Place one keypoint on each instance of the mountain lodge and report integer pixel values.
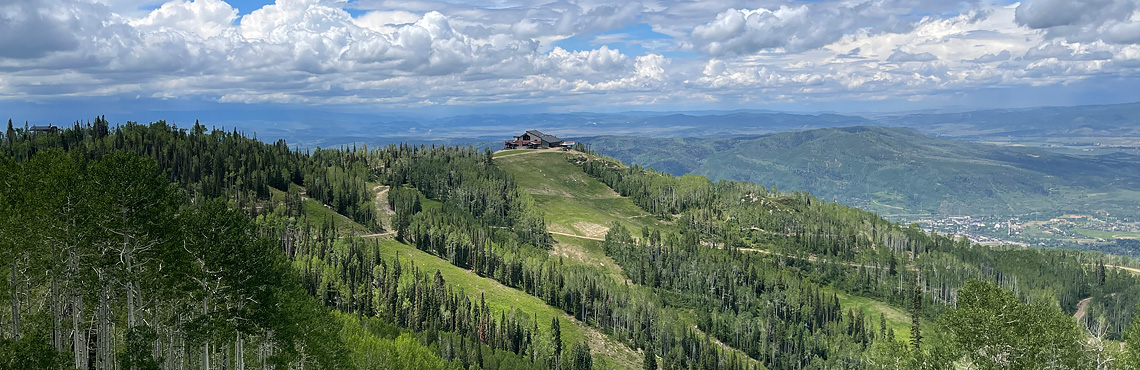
(534, 139)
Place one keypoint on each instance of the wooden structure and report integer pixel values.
(48, 128)
(533, 139)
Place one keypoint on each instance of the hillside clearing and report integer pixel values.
(575, 203)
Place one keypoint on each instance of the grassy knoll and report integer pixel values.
(575, 203)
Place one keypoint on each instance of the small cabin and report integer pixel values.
(48, 128)
(533, 139)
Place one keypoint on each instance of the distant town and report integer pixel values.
(1065, 231)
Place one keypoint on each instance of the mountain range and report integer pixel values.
(899, 170)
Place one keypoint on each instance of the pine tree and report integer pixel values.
(10, 134)
(883, 326)
(650, 360)
(916, 313)
(556, 341)
(582, 358)
(1100, 273)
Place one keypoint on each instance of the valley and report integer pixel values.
(991, 194)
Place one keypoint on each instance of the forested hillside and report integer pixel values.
(900, 171)
(152, 246)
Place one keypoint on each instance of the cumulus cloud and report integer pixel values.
(900, 56)
(1114, 21)
(791, 28)
(585, 63)
(434, 52)
(34, 28)
(204, 18)
(1004, 55)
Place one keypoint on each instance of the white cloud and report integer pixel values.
(1113, 21)
(792, 28)
(900, 56)
(204, 18)
(433, 52)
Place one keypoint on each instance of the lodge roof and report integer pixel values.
(544, 137)
(44, 128)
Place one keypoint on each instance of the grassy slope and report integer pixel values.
(574, 202)
(607, 352)
(317, 212)
(572, 197)
(577, 204)
(509, 152)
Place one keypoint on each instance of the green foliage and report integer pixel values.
(1131, 358)
(215, 163)
(731, 275)
(115, 250)
(992, 329)
(649, 361)
(33, 350)
(580, 357)
(468, 180)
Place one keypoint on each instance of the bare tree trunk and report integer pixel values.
(79, 342)
(103, 336)
(239, 353)
(57, 316)
(130, 283)
(206, 355)
(15, 305)
(205, 344)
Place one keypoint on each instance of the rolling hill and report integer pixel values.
(901, 171)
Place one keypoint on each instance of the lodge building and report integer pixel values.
(534, 139)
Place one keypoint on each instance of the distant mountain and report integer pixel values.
(899, 170)
(1047, 122)
(1074, 128)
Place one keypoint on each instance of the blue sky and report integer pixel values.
(429, 57)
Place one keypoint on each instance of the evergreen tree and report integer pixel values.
(582, 359)
(556, 342)
(649, 361)
(916, 318)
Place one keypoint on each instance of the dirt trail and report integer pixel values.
(813, 259)
(1082, 309)
(1125, 268)
(578, 236)
(530, 152)
(378, 234)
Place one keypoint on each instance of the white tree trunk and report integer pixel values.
(15, 305)
(239, 353)
(79, 337)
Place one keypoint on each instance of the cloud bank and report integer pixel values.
(379, 53)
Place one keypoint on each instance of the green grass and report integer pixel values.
(588, 253)
(509, 152)
(607, 352)
(575, 203)
(897, 319)
(317, 213)
(1107, 234)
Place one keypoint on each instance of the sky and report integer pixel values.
(89, 57)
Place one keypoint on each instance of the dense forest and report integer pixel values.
(154, 246)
